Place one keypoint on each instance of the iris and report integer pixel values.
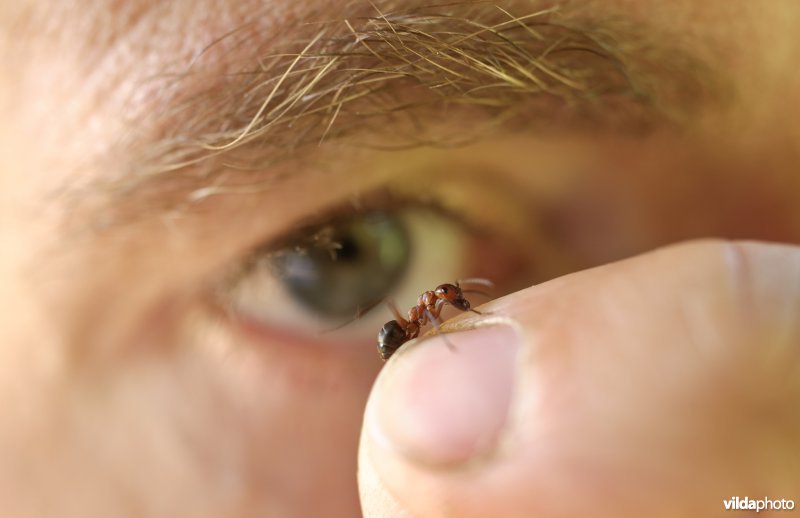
(347, 264)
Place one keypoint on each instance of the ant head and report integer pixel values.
(453, 295)
(448, 292)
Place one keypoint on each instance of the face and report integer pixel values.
(195, 194)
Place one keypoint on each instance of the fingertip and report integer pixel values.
(445, 402)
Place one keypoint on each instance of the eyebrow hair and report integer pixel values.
(381, 74)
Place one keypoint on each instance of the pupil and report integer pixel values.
(362, 262)
(348, 250)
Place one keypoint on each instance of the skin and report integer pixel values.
(127, 392)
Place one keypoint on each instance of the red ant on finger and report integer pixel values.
(429, 306)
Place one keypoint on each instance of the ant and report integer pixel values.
(429, 306)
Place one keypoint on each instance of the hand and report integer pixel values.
(656, 386)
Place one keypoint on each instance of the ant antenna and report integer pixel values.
(479, 292)
(475, 280)
(396, 312)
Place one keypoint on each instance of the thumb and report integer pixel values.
(656, 386)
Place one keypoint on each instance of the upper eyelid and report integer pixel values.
(380, 199)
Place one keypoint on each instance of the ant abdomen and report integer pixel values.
(390, 338)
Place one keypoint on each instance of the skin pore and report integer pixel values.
(142, 169)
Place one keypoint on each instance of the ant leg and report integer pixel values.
(397, 315)
(435, 322)
(443, 302)
(471, 310)
(437, 308)
(359, 313)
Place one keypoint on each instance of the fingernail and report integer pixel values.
(441, 404)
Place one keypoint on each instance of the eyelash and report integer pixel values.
(383, 200)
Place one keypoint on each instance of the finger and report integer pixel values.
(657, 386)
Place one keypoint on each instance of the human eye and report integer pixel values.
(339, 270)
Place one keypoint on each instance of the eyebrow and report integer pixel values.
(389, 77)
